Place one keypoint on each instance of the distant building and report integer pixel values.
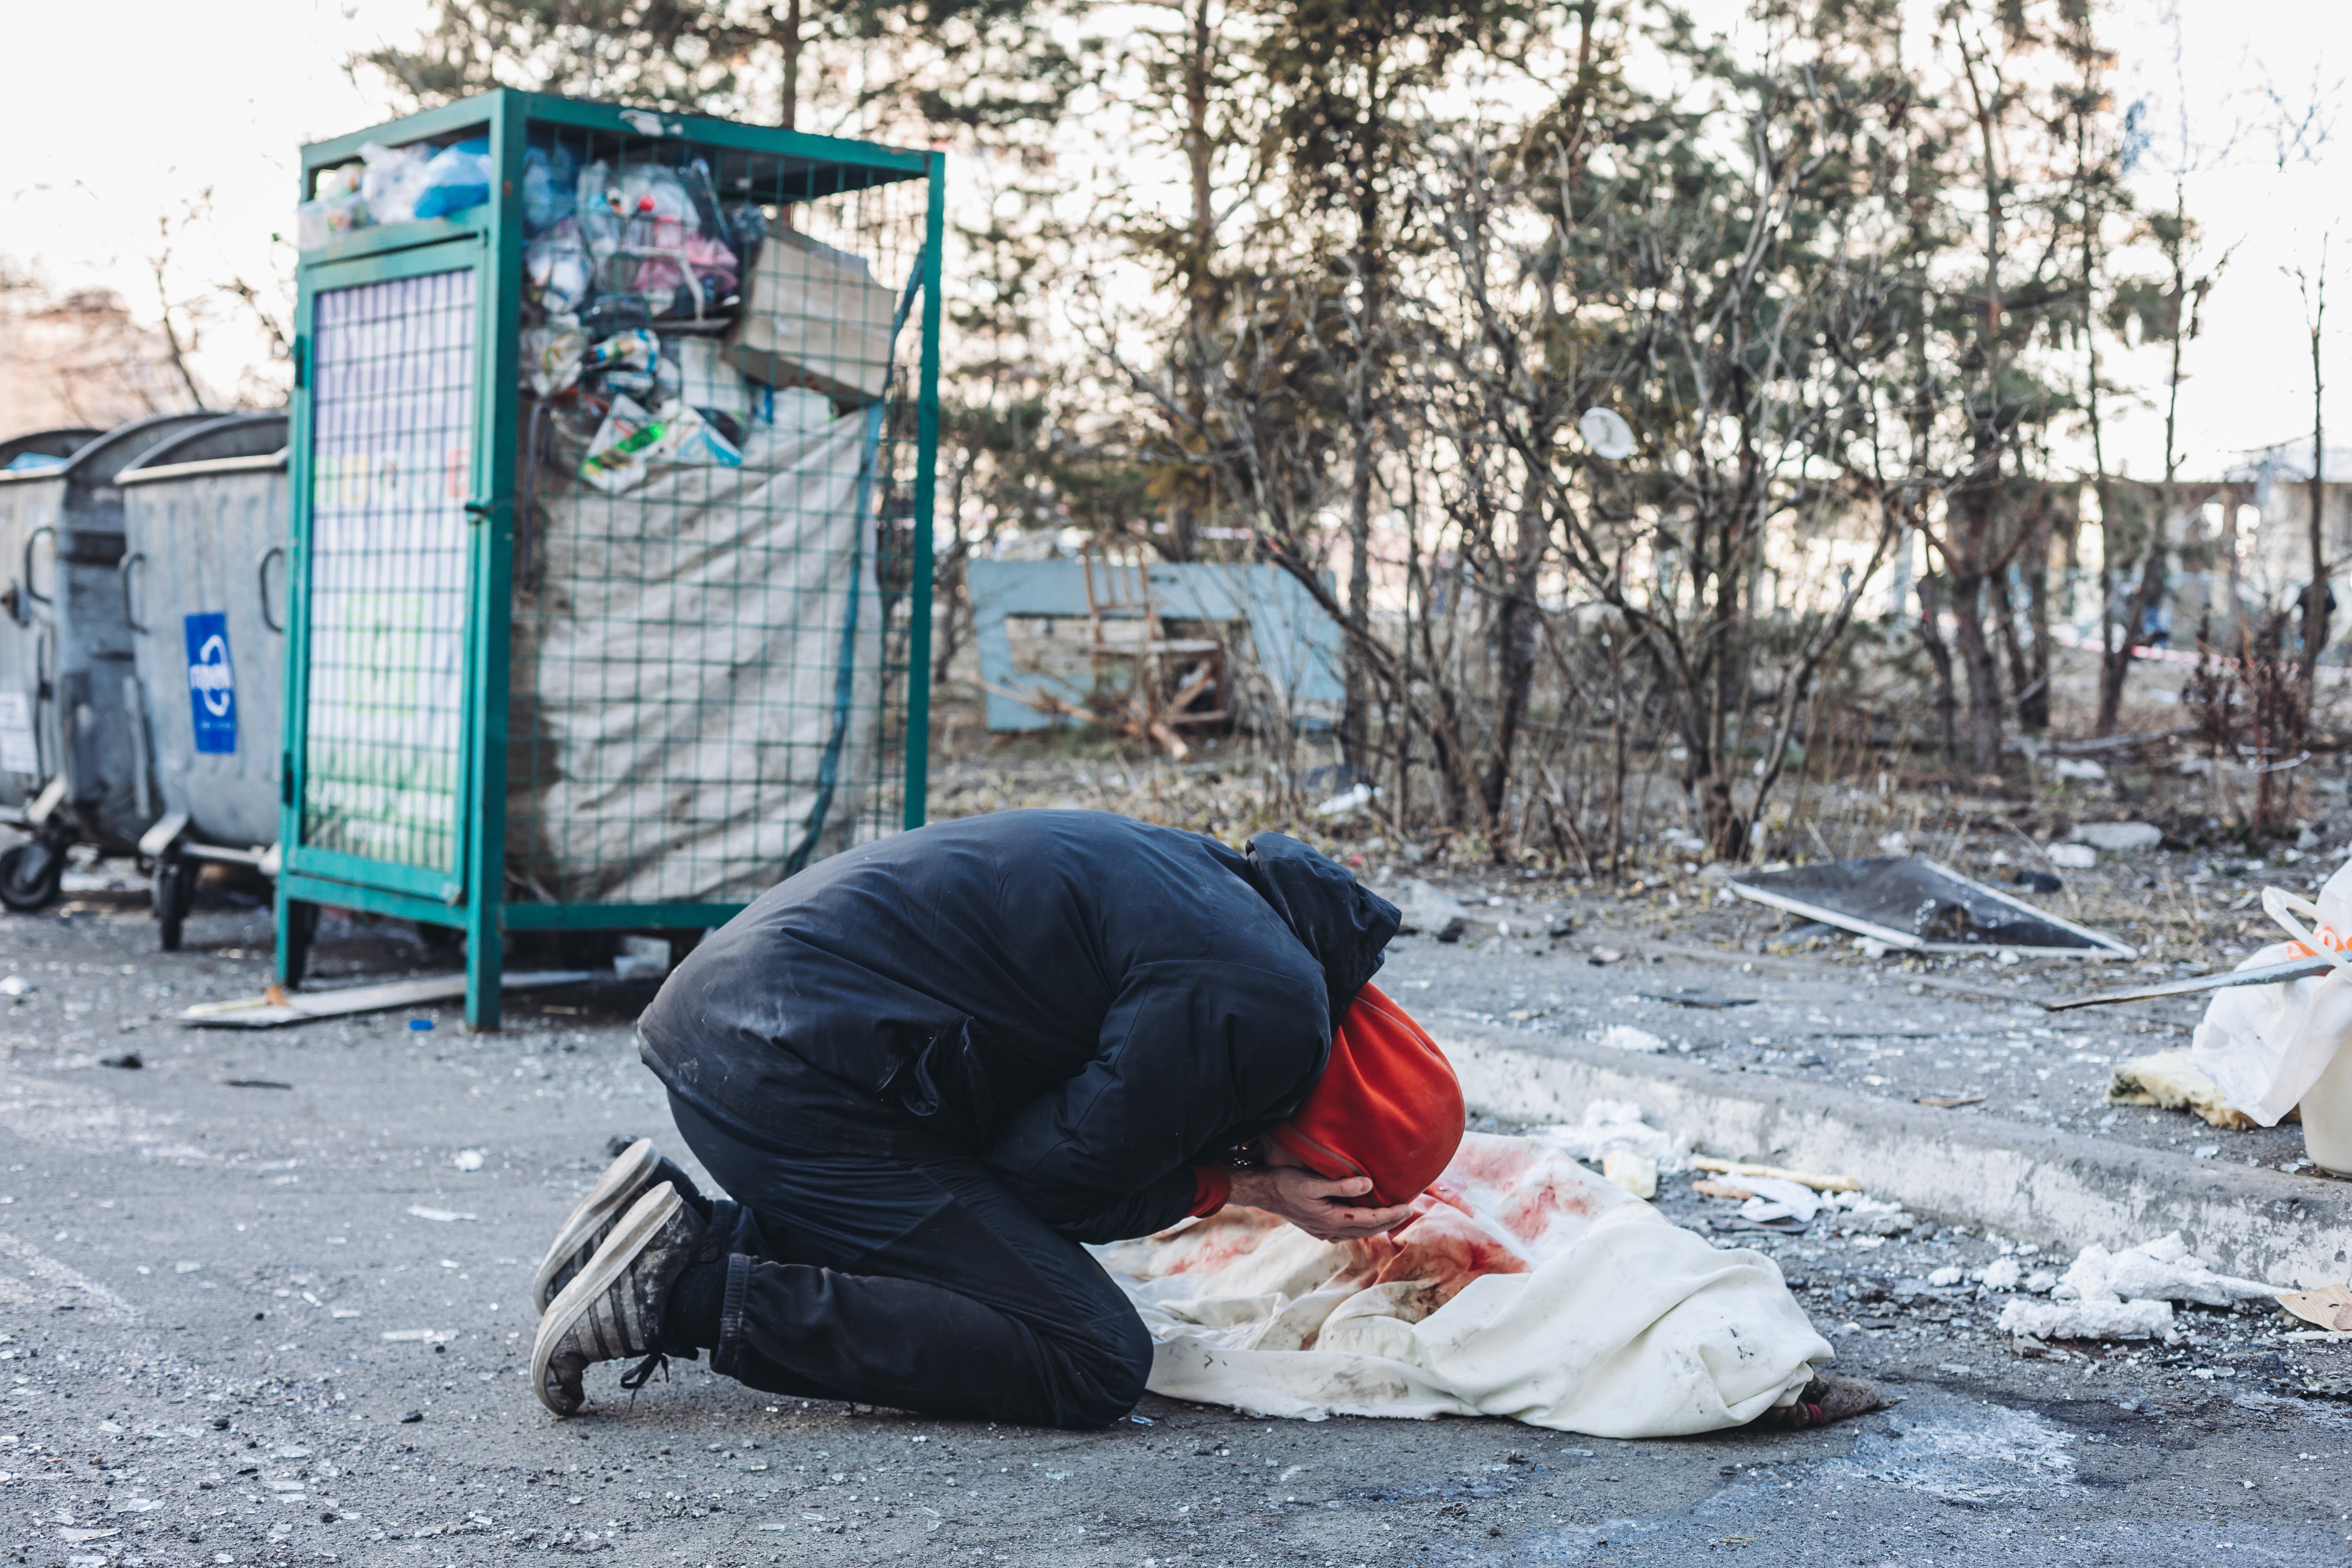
(77, 358)
(2260, 521)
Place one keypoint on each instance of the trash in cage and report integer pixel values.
(634, 350)
(796, 408)
(336, 209)
(1922, 906)
(556, 272)
(630, 439)
(769, 633)
(550, 185)
(706, 382)
(651, 237)
(648, 234)
(552, 356)
(423, 181)
(615, 459)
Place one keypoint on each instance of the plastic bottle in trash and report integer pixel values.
(624, 351)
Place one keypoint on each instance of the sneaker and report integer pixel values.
(612, 1308)
(625, 1180)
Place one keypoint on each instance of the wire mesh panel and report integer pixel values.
(712, 553)
(391, 436)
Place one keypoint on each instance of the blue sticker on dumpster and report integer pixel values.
(212, 685)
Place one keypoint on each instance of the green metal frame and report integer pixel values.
(489, 239)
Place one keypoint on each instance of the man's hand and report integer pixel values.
(1323, 1209)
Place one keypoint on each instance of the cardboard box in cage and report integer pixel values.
(813, 318)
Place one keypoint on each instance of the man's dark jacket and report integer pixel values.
(1089, 1002)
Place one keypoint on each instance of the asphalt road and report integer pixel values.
(281, 1324)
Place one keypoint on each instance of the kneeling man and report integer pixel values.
(928, 1069)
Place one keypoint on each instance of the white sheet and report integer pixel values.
(676, 669)
(1525, 1285)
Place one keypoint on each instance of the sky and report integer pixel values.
(175, 100)
(2249, 369)
(152, 103)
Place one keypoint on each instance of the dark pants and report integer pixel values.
(913, 1280)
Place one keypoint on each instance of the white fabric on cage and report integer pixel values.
(1525, 1286)
(675, 655)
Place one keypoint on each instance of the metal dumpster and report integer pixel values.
(36, 452)
(612, 487)
(45, 448)
(204, 583)
(68, 766)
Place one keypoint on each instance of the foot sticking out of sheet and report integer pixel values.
(1822, 1401)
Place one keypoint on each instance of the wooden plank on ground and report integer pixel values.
(275, 1008)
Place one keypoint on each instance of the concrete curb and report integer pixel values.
(2028, 1182)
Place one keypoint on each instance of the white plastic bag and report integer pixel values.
(556, 270)
(2263, 1046)
(551, 358)
(705, 381)
(394, 181)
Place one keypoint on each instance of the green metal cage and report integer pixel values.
(613, 478)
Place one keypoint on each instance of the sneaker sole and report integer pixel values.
(637, 1228)
(576, 1241)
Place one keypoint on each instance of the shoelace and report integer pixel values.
(637, 1376)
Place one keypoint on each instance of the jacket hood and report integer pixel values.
(1344, 924)
(1387, 1105)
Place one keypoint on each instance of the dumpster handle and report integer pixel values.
(261, 581)
(129, 602)
(30, 592)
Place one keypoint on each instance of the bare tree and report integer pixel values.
(2301, 128)
(2311, 284)
(79, 356)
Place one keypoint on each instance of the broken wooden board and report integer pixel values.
(1814, 1180)
(276, 1008)
(1722, 1190)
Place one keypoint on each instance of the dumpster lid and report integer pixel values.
(61, 443)
(263, 462)
(99, 462)
(224, 445)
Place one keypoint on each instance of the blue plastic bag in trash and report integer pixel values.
(551, 180)
(457, 177)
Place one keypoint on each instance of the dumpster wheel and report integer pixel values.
(29, 875)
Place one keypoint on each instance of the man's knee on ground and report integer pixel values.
(1112, 1376)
